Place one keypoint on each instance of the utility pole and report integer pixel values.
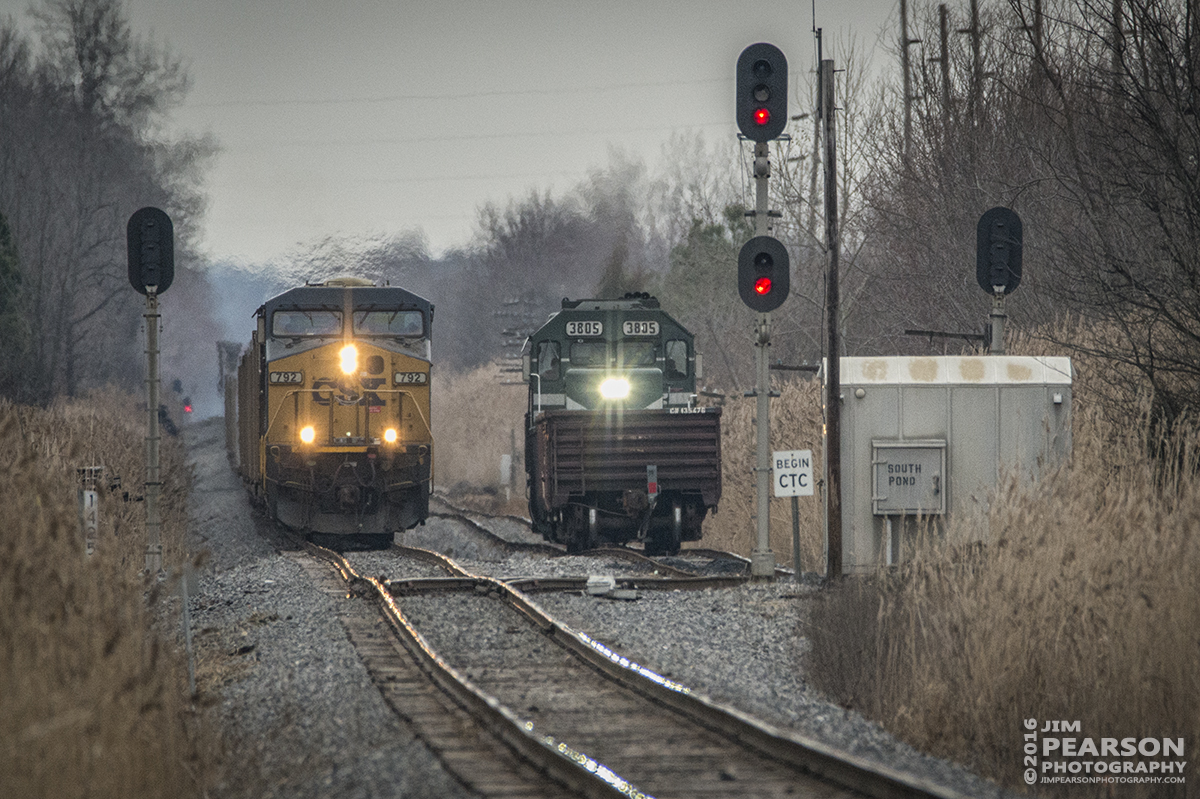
(906, 65)
(1039, 55)
(816, 152)
(1118, 47)
(976, 63)
(1193, 36)
(154, 550)
(943, 61)
(833, 389)
(762, 560)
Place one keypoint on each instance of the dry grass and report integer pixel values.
(1082, 607)
(477, 418)
(796, 423)
(92, 702)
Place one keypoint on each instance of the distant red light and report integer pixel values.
(762, 116)
(187, 408)
(763, 285)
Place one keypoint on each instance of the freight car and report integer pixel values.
(616, 449)
(333, 411)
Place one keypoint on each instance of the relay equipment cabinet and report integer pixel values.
(929, 437)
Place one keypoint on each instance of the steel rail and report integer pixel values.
(575, 770)
(460, 513)
(821, 759)
(558, 550)
(721, 554)
(462, 579)
(559, 762)
(514, 546)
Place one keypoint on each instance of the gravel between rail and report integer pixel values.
(302, 718)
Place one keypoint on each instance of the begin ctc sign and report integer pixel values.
(793, 473)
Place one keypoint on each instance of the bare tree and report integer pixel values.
(1124, 99)
(1082, 116)
(79, 152)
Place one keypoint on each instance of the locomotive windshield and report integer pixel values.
(588, 353)
(306, 323)
(389, 323)
(548, 360)
(629, 354)
(636, 353)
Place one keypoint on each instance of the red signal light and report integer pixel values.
(761, 116)
(763, 285)
(187, 408)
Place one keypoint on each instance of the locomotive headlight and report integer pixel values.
(349, 356)
(308, 434)
(614, 388)
(389, 435)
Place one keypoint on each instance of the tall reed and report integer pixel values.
(796, 424)
(92, 700)
(478, 417)
(1082, 607)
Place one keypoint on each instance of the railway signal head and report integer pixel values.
(150, 238)
(761, 92)
(764, 273)
(998, 251)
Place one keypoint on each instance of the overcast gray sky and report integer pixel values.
(367, 117)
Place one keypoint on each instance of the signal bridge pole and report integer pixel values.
(150, 237)
(762, 560)
(154, 550)
(997, 317)
(764, 273)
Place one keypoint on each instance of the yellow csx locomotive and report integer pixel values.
(333, 408)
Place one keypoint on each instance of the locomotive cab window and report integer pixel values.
(389, 323)
(588, 353)
(676, 361)
(306, 323)
(548, 360)
(637, 353)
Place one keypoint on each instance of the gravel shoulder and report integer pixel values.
(299, 713)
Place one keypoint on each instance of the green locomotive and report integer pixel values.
(616, 449)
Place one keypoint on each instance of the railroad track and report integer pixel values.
(467, 516)
(570, 709)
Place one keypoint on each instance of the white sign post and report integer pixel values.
(793, 477)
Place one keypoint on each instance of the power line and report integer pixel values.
(574, 133)
(443, 97)
(447, 178)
